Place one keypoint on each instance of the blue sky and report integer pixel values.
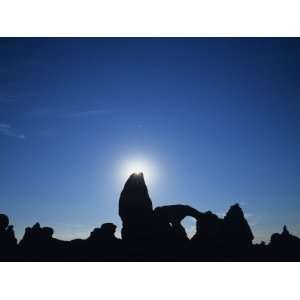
(217, 119)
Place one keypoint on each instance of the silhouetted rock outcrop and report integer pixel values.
(38, 243)
(36, 234)
(135, 210)
(284, 245)
(152, 235)
(168, 219)
(210, 230)
(237, 231)
(176, 213)
(4, 221)
(102, 244)
(225, 238)
(8, 242)
(105, 233)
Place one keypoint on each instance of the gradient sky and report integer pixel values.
(217, 120)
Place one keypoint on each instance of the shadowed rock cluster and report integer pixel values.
(152, 235)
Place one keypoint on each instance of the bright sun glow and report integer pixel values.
(137, 166)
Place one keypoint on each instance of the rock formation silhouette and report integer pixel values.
(168, 220)
(8, 242)
(103, 234)
(237, 230)
(152, 234)
(285, 243)
(103, 243)
(209, 230)
(135, 210)
(36, 235)
(37, 242)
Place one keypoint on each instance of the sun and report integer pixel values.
(136, 166)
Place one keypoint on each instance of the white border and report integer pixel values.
(149, 281)
(143, 281)
(149, 18)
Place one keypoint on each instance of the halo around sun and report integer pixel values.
(136, 166)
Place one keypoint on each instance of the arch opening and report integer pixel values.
(189, 223)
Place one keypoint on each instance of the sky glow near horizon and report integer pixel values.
(210, 122)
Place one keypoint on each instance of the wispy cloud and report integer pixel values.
(7, 99)
(252, 219)
(87, 113)
(7, 130)
(70, 114)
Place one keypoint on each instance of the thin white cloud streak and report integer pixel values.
(252, 219)
(70, 114)
(8, 99)
(7, 130)
(87, 113)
